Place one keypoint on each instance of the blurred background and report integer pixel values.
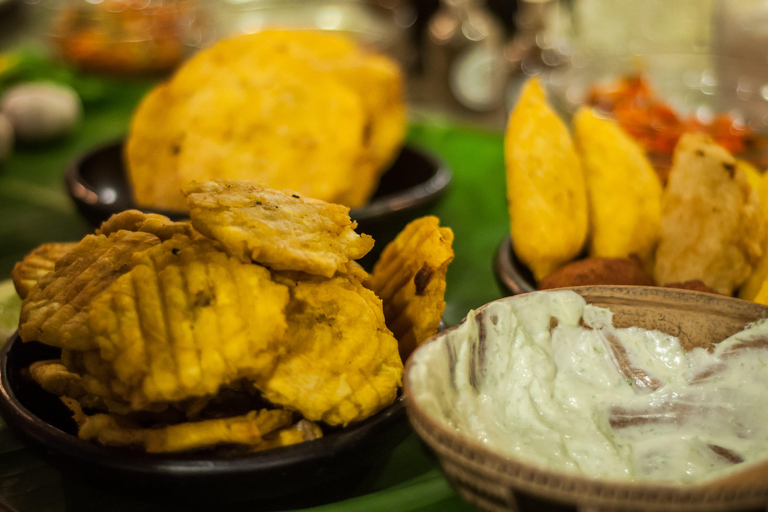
(462, 56)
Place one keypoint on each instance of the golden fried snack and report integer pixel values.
(302, 430)
(54, 377)
(185, 320)
(55, 310)
(339, 362)
(134, 220)
(712, 228)
(752, 287)
(409, 277)
(591, 271)
(623, 189)
(278, 229)
(546, 189)
(111, 430)
(42, 260)
(324, 118)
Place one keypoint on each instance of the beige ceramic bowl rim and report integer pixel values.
(572, 486)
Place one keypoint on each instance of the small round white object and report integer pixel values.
(41, 110)
(6, 137)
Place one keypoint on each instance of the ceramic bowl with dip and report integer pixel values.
(602, 397)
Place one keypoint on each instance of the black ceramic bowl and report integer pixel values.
(408, 189)
(512, 276)
(334, 463)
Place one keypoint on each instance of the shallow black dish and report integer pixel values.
(416, 180)
(512, 276)
(341, 458)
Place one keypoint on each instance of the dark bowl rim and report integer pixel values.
(65, 446)
(390, 204)
(694, 494)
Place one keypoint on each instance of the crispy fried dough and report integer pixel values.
(111, 430)
(278, 229)
(410, 279)
(340, 362)
(54, 311)
(185, 320)
(42, 260)
(712, 227)
(134, 220)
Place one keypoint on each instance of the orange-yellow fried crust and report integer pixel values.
(55, 309)
(110, 430)
(42, 260)
(340, 362)
(276, 228)
(409, 276)
(134, 220)
(185, 320)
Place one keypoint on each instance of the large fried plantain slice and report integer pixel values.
(185, 320)
(340, 362)
(41, 261)
(278, 229)
(111, 430)
(410, 279)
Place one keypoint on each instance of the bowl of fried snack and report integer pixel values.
(587, 207)
(599, 398)
(292, 109)
(240, 354)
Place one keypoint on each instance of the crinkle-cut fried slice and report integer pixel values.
(712, 226)
(42, 260)
(340, 362)
(276, 228)
(134, 220)
(110, 430)
(302, 430)
(54, 311)
(54, 377)
(186, 320)
(409, 276)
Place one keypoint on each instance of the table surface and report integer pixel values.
(35, 208)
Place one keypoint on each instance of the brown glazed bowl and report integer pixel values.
(492, 481)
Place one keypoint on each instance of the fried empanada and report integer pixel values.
(278, 229)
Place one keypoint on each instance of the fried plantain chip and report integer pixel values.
(712, 227)
(41, 261)
(302, 430)
(185, 320)
(324, 118)
(409, 277)
(340, 362)
(111, 430)
(54, 310)
(278, 229)
(134, 220)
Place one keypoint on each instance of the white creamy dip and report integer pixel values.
(577, 394)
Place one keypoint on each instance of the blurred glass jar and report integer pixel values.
(381, 25)
(126, 36)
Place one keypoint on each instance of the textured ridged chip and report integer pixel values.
(341, 363)
(55, 310)
(410, 279)
(324, 117)
(134, 220)
(546, 189)
(276, 228)
(712, 227)
(41, 261)
(248, 429)
(186, 320)
(624, 190)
